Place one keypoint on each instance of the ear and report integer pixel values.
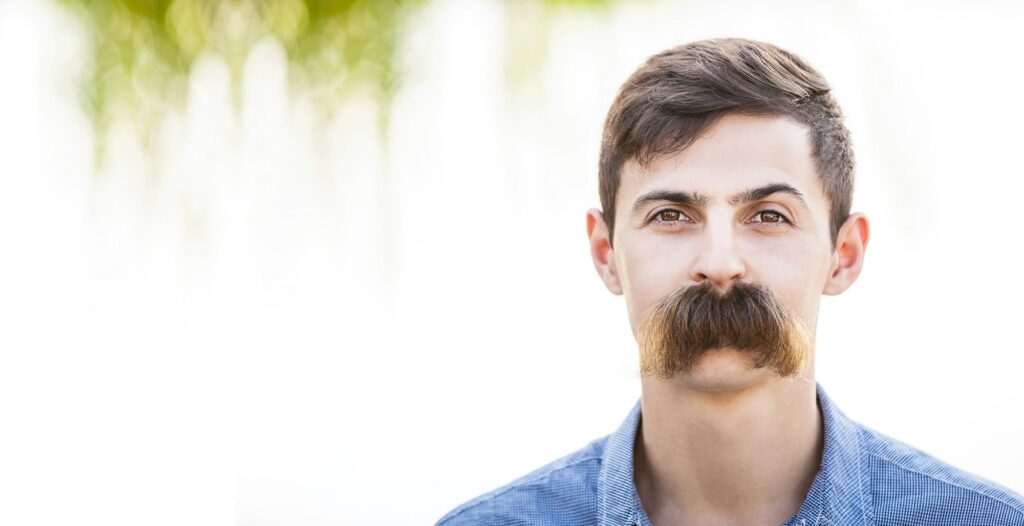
(601, 251)
(848, 257)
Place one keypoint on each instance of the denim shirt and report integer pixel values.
(865, 478)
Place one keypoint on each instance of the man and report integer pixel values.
(726, 180)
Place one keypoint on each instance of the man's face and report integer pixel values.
(743, 203)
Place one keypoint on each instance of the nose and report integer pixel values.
(717, 259)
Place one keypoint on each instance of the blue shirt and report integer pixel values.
(865, 478)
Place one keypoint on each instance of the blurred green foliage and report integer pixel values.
(142, 50)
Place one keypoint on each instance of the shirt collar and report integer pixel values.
(617, 500)
(839, 493)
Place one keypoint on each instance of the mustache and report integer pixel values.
(696, 319)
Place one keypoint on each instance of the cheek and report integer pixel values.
(797, 274)
(649, 277)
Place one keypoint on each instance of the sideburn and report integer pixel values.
(695, 320)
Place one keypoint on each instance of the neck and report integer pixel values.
(740, 457)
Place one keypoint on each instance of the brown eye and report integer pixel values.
(770, 216)
(669, 216)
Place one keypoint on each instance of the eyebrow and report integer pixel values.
(761, 192)
(682, 198)
(698, 199)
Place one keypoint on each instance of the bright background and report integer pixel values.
(271, 315)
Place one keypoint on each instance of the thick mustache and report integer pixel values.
(696, 319)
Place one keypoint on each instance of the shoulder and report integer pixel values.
(909, 486)
(561, 492)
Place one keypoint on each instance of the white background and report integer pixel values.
(264, 321)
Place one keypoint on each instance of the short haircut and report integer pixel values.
(678, 94)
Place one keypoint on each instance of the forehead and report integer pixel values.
(736, 153)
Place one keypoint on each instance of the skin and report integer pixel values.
(728, 443)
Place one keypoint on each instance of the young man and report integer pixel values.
(726, 178)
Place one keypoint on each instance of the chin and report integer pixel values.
(724, 370)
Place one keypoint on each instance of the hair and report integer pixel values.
(678, 94)
(696, 319)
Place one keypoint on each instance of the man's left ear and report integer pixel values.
(848, 257)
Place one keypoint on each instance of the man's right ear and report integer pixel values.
(601, 251)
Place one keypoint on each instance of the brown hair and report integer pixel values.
(696, 319)
(679, 93)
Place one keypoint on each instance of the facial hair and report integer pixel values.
(697, 319)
